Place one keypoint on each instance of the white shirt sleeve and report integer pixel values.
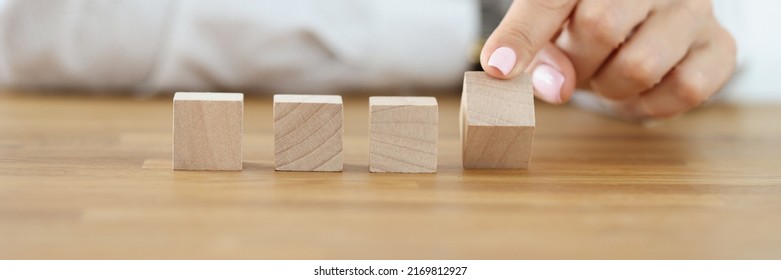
(300, 46)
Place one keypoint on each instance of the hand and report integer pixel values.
(656, 58)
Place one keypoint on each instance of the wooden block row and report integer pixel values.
(497, 129)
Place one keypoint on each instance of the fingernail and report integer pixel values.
(548, 81)
(503, 59)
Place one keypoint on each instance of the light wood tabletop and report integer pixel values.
(89, 177)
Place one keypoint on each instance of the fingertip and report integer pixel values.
(525, 29)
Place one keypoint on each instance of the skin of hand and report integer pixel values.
(653, 58)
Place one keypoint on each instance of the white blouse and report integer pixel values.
(292, 46)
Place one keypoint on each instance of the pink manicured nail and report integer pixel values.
(503, 59)
(548, 81)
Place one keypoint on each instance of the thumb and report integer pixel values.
(553, 75)
(527, 27)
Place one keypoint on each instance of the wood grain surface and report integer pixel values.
(90, 177)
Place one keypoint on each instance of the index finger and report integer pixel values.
(525, 29)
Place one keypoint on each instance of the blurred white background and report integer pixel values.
(755, 24)
(293, 45)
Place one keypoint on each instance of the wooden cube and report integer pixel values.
(403, 134)
(497, 121)
(308, 132)
(208, 131)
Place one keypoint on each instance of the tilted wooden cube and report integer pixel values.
(207, 131)
(403, 134)
(497, 121)
(308, 132)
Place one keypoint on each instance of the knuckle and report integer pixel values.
(690, 88)
(700, 7)
(700, 12)
(641, 70)
(601, 26)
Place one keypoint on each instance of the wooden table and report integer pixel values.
(90, 177)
